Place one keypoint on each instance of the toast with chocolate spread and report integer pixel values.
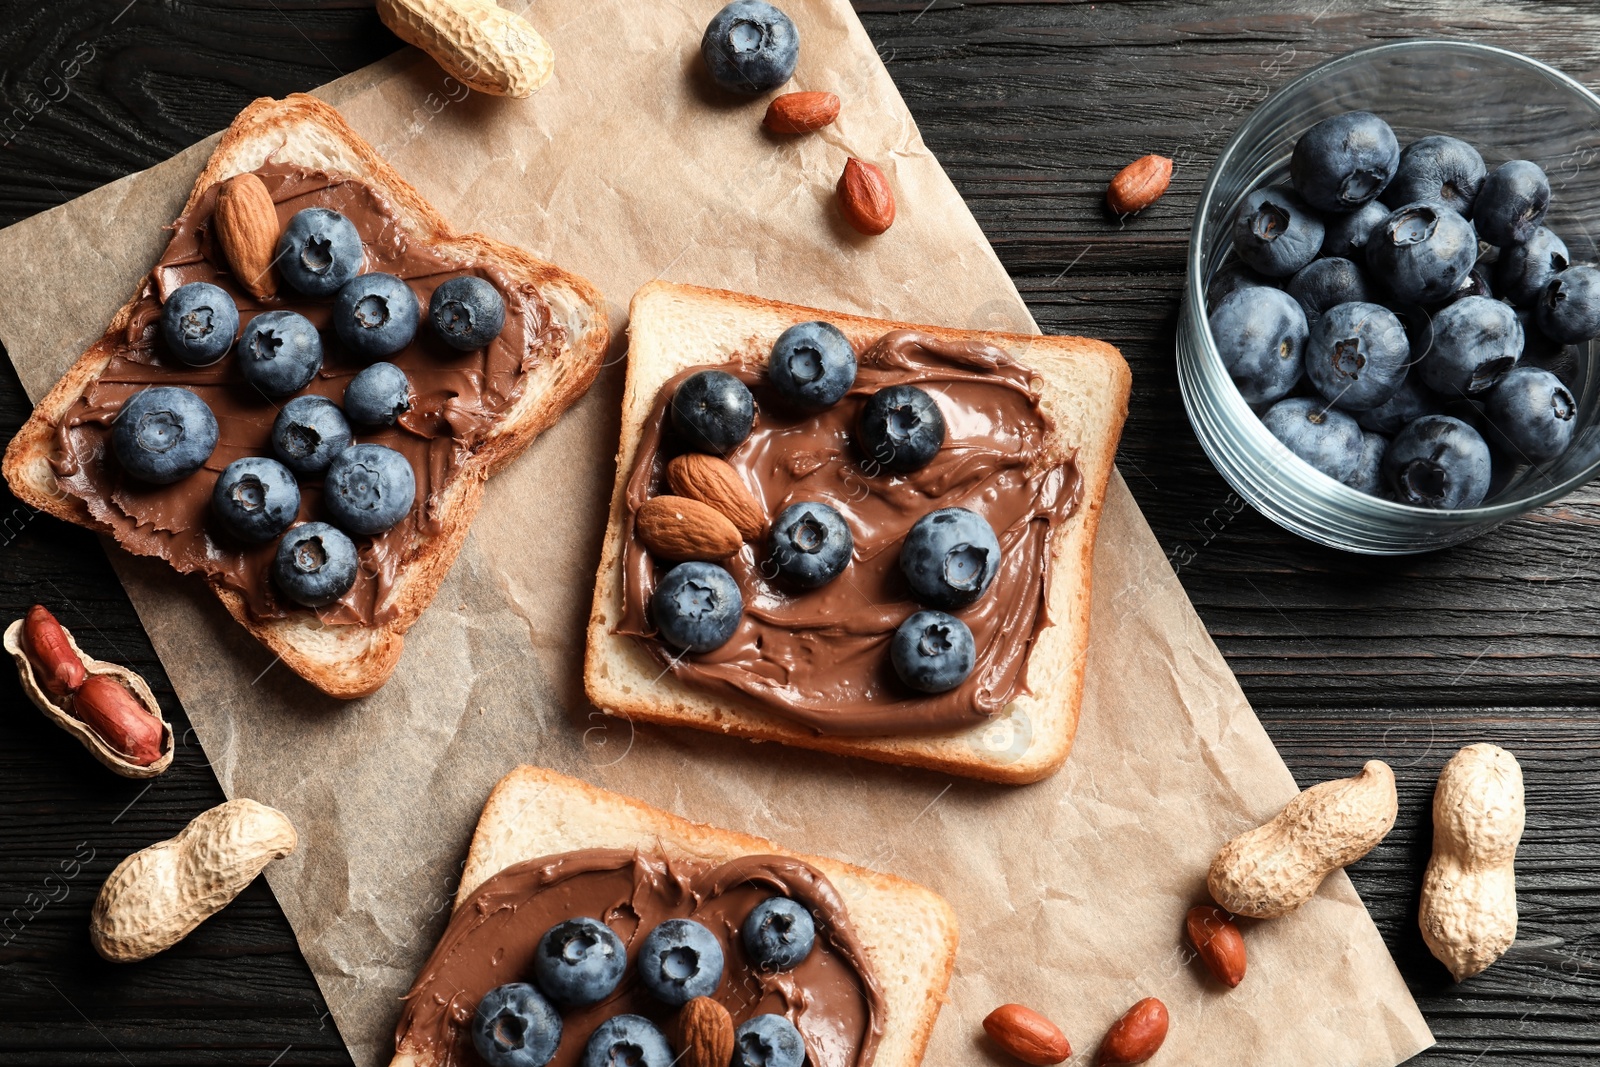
(1029, 432)
(549, 848)
(469, 411)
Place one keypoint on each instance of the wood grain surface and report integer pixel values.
(1031, 107)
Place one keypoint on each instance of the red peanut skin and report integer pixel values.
(1136, 1036)
(818, 110)
(1027, 1035)
(1218, 943)
(120, 720)
(59, 668)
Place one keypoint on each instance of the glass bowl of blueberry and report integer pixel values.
(1388, 335)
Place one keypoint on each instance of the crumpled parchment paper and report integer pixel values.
(628, 167)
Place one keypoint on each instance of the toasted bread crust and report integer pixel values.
(616, 678)
(513, 828)
(350, 661)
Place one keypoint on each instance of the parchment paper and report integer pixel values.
(1071, 894)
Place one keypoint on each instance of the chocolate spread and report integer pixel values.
(458, 397)
(821, 657)
(832, 997)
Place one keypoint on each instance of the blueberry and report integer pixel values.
(750, 47)
(901, 428)
(1324, 283)
(377, 396)
(713, 411)
(315, 564)
(697, 606)
(1357, 355)
(515, 1026)
(256, 498)
(319, 251)
(950, 557)
(932, 652)
(1476, 283)
(768, 1041)
(1345, 161)
(627, 1041)
(1475, 341)
(369, 488)
(308, 433)
(1523, 270)
(1438, 462)
(1324, 437)
(1419, 326)
(1421, 252)
(1568, 308)
(375, 314)
(1533, 413)
(579, 962)
(1346, 234)
(280, 352)
(811, 545)
(1540, 351)
(680, 960)
(198, 322)
(1408, 402)
(1260, 334)
(1368, 474)
(1276, 233)
(1446, 169)
(778, 934)
(1512, 203)
(1230, 280)
(812, 365)
(163, 434)
(467, 312)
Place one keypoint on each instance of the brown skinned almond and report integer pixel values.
(1139, 184)
(680, 528)
(801, 112)
(865, 199)
(1136, 1036)
(1027, 1035)
(702, 1033)
(247, 229)
(713, 481)
(1218, 943)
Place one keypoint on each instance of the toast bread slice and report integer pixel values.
(351, 660)
(909, 932)
(1084, 390)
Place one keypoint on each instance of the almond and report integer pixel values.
(247, 229)
(1139, 184)
(702, 1034)
(713, 481)
(801, 112)
(680, 528)
(865, 199)
(1218, 943)
(1027, 1035)
(1136, 1036)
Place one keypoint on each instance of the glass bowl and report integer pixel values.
(1506, 105)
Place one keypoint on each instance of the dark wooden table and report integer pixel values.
(1031, 107)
